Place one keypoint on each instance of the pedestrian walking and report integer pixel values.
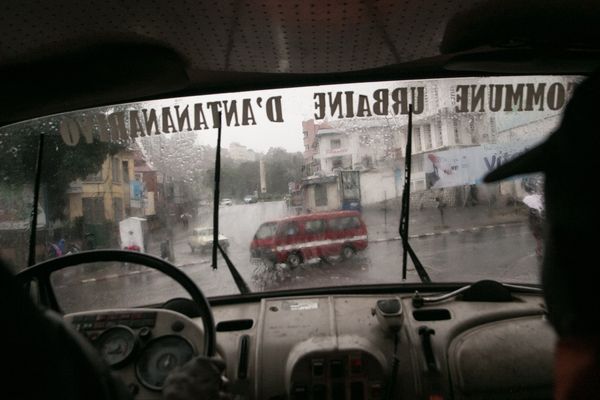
(185, 220)
(90, 241)
(165, 249)
(441, 205)
(535, 217)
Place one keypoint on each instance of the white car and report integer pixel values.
(249, 199)
(202, 239)
(226, 202)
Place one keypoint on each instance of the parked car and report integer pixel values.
(298, 239)
(202, 239)
(226, 202)
(248, 199)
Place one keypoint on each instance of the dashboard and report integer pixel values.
(342, 347)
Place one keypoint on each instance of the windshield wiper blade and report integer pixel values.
(404, 214)
(36, 200)
(237, 278)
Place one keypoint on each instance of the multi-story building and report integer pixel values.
(336, 150)
(441, 131)
(105, 195)
(311, 148)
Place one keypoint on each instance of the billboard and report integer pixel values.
(468, 165)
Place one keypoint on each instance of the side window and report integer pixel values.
(289, 229)
(336, 224)
(315, 226)
(340, 224)
(353, 223)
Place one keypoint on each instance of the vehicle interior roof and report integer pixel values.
(83, 54)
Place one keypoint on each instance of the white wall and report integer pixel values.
(377, 185)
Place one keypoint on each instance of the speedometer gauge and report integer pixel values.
(160, 357)
(116, 345)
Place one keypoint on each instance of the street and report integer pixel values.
(504, 251)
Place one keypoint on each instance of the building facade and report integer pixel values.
(105, 195)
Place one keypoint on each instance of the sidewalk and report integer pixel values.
(428, 221)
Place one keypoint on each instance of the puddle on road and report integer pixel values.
(320, 273)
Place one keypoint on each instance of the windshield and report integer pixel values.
(324, 165)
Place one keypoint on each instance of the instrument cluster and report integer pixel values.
(130, 340)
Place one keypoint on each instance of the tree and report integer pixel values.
(282, 168)
(241, 178)
(61, 164)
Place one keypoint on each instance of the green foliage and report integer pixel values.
(282, 168)
(239, 179)
(61, 164)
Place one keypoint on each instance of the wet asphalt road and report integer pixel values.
(503, 252)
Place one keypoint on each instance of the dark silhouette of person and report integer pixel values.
(570, 261)
(90, 241)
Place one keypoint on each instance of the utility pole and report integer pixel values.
(263, 176)
(385, 210)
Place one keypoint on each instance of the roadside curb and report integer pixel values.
(448, 232)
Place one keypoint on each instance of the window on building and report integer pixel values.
(97, 177)
(118, 208)
(320, 195)
(456, 135)
(440, 137)
(305, 133)
(426, 133)
(335, 144)
(417, 163)
(367, 161)
(492, 126)
(116, 170)
(417, 140)
(125, 170)
(93, 210)
(306, 147)
(337, 162)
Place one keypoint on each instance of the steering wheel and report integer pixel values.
(42, 271)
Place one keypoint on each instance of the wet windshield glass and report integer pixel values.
(323, 165)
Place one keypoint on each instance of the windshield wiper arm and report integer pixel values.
(237, 278)
(404, 215)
